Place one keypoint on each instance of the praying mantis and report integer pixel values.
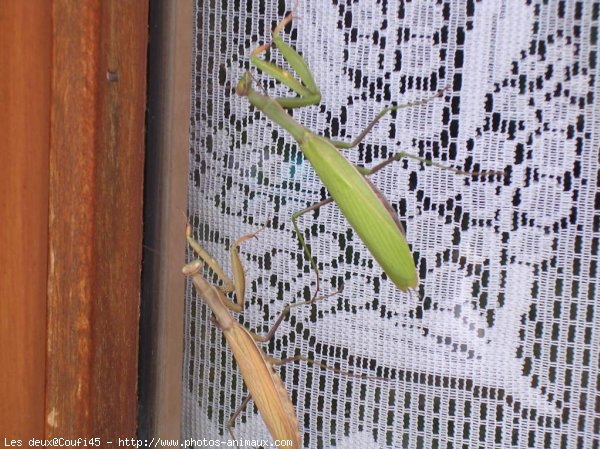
(263, 383)
(364, 206)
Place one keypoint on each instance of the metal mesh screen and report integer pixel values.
(499, 346)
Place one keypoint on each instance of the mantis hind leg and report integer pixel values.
(235, 415)
(301, 358)
(304, 245)
(323, 365)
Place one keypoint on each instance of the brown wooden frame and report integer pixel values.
(161, 349)
(73, 90)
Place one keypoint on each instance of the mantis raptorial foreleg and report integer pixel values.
(238, 284)
(365, 208)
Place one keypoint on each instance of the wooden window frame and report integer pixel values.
(73, 90)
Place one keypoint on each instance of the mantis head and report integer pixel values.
(192, 268)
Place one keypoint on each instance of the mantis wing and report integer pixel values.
(265, 386)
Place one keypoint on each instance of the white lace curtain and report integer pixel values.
(499, 346)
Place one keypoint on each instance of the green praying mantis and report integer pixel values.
(364, 206)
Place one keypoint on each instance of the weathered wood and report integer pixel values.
(95, 207)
